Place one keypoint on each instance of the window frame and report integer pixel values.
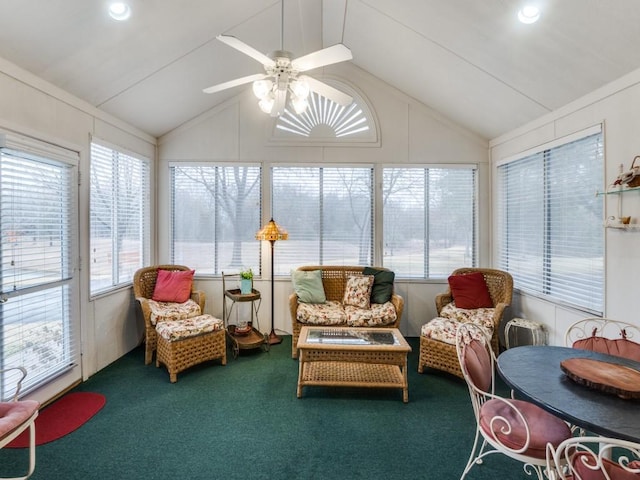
(547, 287)
(143, 221)
(323, 258)
(426, 248)
(217, 268)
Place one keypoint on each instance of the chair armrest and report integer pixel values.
(398, 303)
(293, 307)
(23, 374)
(443, 299)
(200, 298)
(498, 313)
(146, 310)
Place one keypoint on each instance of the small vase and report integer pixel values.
(245, 286)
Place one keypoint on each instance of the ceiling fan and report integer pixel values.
(282, 76)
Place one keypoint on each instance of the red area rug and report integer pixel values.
(63, 416)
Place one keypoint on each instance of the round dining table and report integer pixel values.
(534, 374)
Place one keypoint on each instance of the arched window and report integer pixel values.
(326, 122)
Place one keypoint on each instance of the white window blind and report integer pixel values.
(328, 212)
(550, 222)
(38, 196)
(119, 211)
(429, 220)
(215, 214)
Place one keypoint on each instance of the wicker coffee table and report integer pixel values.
(353, 357)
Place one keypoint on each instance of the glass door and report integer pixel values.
(38, 299)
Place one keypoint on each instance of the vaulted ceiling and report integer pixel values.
(470, 60)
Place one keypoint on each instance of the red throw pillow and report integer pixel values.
(173, 286)
(470, 291)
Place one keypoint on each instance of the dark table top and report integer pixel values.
(534, 373)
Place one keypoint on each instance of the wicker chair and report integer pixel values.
(16, 416)
(441, 355)
(334, 281)
(144, 282)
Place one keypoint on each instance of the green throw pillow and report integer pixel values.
(308, 286)
(382, 284)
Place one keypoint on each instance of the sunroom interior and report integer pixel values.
(462, 91)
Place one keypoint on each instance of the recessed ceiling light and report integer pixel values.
(119, 11)
(529, 14)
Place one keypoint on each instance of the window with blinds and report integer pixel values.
(550, 222)
(38, 198)
(429, 220)
(215, 214)
(328, 213)
(119, 216)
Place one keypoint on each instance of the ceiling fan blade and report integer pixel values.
(327, 91)
(247, 50)
(235, 83)
(334, 54)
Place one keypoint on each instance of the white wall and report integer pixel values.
(616, 106)
(410, 133)
(30, 106)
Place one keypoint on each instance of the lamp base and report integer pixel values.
(274, 339)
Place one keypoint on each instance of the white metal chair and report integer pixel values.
(604, 335)
(593, 458)
(15, 417)
(516, 428)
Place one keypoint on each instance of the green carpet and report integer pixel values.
(243, 421)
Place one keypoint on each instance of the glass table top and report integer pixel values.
(348, 336)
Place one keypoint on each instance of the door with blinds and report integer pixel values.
(39, 324)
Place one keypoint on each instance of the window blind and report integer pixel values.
(215, 214)
(328, 213)
(38, 196)
(429, 220)
(550, 222)
(119, 216)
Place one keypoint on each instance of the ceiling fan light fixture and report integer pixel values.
(299, 104)
(262, 88)
(529, 14)
(300, 89)
(266, 103)
(119, 11)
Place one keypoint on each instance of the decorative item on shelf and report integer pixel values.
(619, 222)
(631, 177)
(246, 281)
(272, 232)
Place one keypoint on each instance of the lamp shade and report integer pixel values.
(272, 232)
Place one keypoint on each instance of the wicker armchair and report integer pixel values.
(442, 356)
(144, 282)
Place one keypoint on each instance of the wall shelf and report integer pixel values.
(619, 226)
(618, 190)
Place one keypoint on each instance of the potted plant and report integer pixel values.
(246, 281)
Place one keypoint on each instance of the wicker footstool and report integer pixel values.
(185, 343)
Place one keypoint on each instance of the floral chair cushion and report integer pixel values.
(445, 329)
(188, 327)
(165, 311)
(328, 313)
(478, 316)
(357, 292)
(379, 314)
